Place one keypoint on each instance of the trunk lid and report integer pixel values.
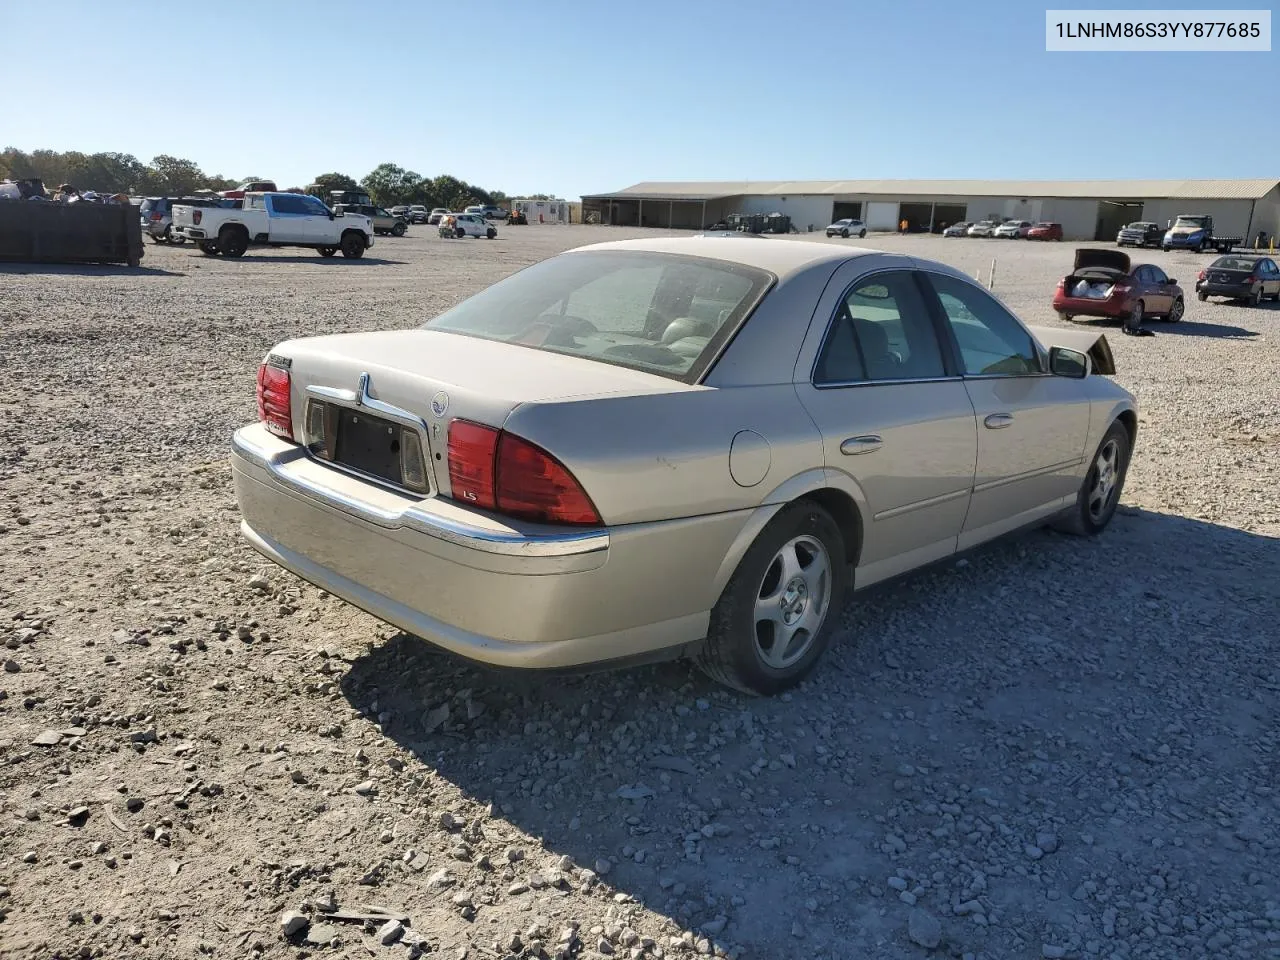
(1091, 257)
(439, 377)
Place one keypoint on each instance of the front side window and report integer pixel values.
(1156, 275)
(660, 313)
(288, 204)
(881, 331)
(991, 340)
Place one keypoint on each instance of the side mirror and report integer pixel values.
(1170, 281)
(332, 214)
(1065, 362)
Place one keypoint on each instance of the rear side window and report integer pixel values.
(991, 340)
(661, 313)
(881, 331)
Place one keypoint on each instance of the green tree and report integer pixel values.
(389, 184)
(174, 176)
(327, 182)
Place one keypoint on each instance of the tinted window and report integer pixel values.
(655, 312)
(991, 340)
(289, 203)
(881, 331)
(314, 207)
(1156, 275)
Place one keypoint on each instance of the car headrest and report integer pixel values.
(872, 338)
(683, 327)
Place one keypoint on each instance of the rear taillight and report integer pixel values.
(1062, 284)
(1200, 276)
(157, 217)
(196, 216)
(274, 407)
(499, 471)
(1121, 288)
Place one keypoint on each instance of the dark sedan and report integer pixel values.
(1252, 279)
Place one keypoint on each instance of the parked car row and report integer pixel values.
(1008, 229)
(1107, 284)
(1190, 231)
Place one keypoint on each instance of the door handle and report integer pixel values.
(998, 421)
(856, 445)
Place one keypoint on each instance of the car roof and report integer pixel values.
(780, 257)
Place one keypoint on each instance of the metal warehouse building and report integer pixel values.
(1087, 209)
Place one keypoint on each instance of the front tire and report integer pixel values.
(491, 233)
(844, 234)
(1133, 322)
(353, 246)
(399, 230)
(209, 248)
(1100, 492)
(1176, 311)
(861, 234)
(1202, 296)
(774, 619)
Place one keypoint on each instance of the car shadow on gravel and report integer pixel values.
(336, 261)
(788, 814)
(85, 269)
(1184, 328)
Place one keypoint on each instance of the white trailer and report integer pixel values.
(543, 211)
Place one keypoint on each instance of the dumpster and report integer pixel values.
(83, 232)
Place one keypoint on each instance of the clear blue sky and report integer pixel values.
(596, 96)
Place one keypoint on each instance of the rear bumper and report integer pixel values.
(191, 233)
(536, 597)
(1114, 309)
(1233, 290)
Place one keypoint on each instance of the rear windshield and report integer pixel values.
(1234, 263)
(661, 313)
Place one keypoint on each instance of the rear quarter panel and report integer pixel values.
(666, 456)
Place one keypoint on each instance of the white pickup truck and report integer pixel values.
(274, 220)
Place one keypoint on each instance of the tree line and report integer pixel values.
(388, 184)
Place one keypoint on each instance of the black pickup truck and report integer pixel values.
(1195, 232)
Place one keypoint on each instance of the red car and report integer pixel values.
(1045, 231)
(1105, 284)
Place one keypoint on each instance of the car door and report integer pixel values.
(895, 418)
(1271, 284)
(288, 216)
(1031, 425)
(1158, 297)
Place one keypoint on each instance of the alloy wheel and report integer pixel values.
(1106, 477)
(792, 601)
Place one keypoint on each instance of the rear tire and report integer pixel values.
(491, 233)
(1202, 296)
(460, 233)
(844, 234)
(775, 617)
(233, 242)
(1100, 492)
(399, 230)
(353, 245)
(861, 234)
(1255, 297)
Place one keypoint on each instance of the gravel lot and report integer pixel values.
(1051, 748)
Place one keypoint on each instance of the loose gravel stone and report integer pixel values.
(924, 929)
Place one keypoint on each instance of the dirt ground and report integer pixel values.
(1050, 748)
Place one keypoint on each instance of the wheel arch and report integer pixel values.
(835, 492)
